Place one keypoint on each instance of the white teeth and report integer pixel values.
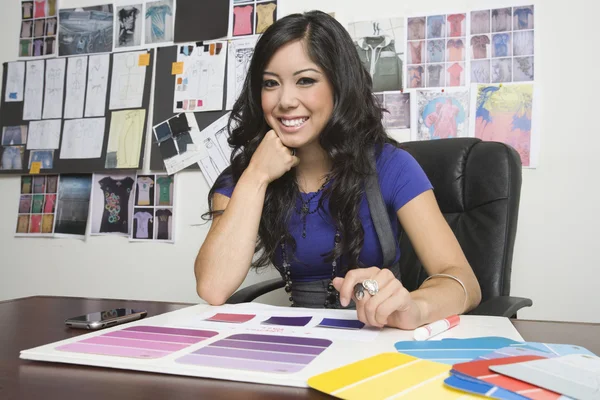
(293, 122)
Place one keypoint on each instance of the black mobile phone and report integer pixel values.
(104, 319)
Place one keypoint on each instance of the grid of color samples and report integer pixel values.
(261, 353)
(388, 375)
(139, 342)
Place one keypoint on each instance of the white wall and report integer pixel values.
(555, 261)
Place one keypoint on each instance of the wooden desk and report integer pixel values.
(34, 321)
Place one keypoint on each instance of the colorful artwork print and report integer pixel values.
(442, 115)
(262, 353)
(503, 114)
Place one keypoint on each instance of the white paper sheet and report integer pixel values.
(15, 80)
(82, 138)
(97, 84)
(128, 78)
(214, 139)
(240, 55)
(202, 81)
(44, 134)
(34, 90)
(76, 83)
(54, 88)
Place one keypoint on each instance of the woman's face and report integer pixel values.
(297, 97)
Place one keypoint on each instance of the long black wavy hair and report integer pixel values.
(354, 127)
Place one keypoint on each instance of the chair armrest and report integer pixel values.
(501, 306)
(251, 292)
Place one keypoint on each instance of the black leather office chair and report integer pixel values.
(477, 185)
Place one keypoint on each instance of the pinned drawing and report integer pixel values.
(85, 30)
(200, 86)
(76, 77)
(34, 90)
(503, 113)
(159, 17)
(97, 83)
(442, 114)
(218, 152)
(82, 138)
(54, 88)
(44, 134)
(127, 82)
(125, 139)
(15, 80)
(240, 50)
(128, 26)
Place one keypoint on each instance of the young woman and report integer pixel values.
(294, 193)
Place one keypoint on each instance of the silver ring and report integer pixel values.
(371, 285)
(293, 152)
(359, 291)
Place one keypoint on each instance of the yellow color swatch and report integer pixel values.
(388, 376)
(177, 68)
(144, 60)
(35, 168)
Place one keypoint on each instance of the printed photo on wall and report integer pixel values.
(159, 18)
(85, 30)
(11, 157)
(37, 205)
(380, 45)
(397, 109)
(175, 139)
(153, 208)
(251, 17)
(72, 207)
(128, 26)
(37, 34)
(442, 114)
(112, 204)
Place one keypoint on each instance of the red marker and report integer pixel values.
(435, 328)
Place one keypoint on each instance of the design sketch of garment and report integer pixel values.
(455, 71)
(163, 217)
(26, 29)
(479, 46)
(242, 61)
(523, 43)
(27, 10)
(143, 185)
(39, 11)
(435, 51)
(51, 27)
(501, 20)
(501, 70)
(523, 69)
(435, 25)
(435, 76)
(142, 219)
(416, 50)
(164, 185)
(38, 47)
(455, 50)
(501, 45)
(443, 120)
(480, 22)
(242, 20)
(265, 14)
(127, 17)
(378, 55)
(522, 14)
(416, 28)
(415, 75)
(128, 152)
(158, 19)
(116, 204)
(480, 71)
(456, 24)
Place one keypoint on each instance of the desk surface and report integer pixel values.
(35, 321)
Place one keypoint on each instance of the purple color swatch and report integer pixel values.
(139, 342)
(264, 353)
(341, 323)
(288, 321)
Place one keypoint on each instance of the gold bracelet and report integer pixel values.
(457, 280)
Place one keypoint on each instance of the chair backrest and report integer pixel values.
(477, 185)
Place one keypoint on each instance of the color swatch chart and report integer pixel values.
(263, 353)
(139, 342)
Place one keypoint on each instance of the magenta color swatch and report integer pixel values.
(264, 353)
(234, 318)
(139, 342)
